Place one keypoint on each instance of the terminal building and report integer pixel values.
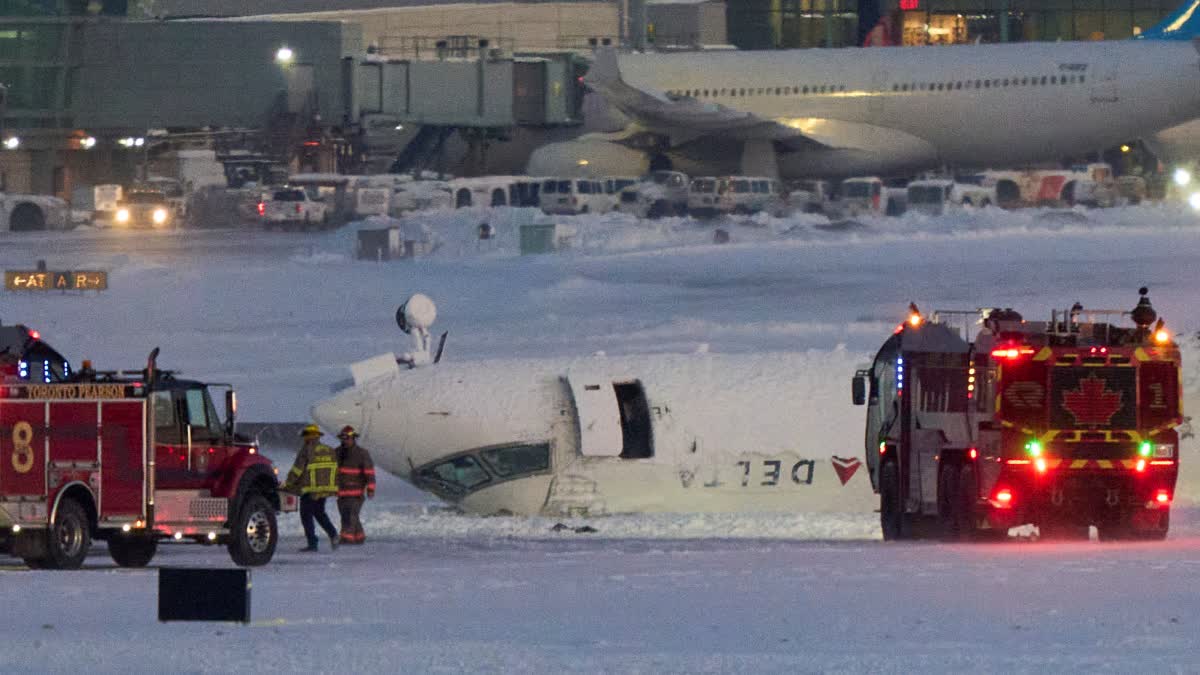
(792, 24)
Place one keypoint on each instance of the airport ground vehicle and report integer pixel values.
(734, 194)
(291, 206)
(28, 213)
(810, 196)
(1083, 184)
(140, 209)
(574, 195)
(1064, 424)
(419, 195)
(132, 458)
(868, 195)
(937, 196)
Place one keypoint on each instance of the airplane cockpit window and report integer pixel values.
(453, 478)
(516, 460)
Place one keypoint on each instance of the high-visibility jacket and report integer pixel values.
(315, 471)
(356, 472)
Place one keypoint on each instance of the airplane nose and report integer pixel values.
(337, 412)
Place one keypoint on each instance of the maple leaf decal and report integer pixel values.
(1092, 404)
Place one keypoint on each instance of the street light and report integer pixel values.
(88, 142)
(284, 55)
(12, 143)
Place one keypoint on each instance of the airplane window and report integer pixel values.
(958, 85)
(516, 460)
(454, 477)
(987, 84)
(1005, 81)
(1081, 79)
(977, 84)
(1053, 79)
(940, 86)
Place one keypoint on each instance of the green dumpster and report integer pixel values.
(538, 238)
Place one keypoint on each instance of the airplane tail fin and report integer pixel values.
(606, 71)
(1182, 24)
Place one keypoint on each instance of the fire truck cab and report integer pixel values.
(1063, 424)
(133, 458)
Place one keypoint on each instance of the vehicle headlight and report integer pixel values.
(160, 216)
(122, 215)
(1182, 177)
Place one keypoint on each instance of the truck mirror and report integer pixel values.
(230, 411)
(858, 386)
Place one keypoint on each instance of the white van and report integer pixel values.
(482, 191)
(750, 194)
(574, 195)
(937, 196)
(867, 195)
(703, 198)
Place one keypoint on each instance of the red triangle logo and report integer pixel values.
(845, 468)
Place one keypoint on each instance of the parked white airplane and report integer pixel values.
(843, 112)
(601, 435)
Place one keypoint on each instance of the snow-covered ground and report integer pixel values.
(280, 315)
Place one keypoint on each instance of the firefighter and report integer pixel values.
(314, 477)
(356, 481)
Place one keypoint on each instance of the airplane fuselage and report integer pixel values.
(592, 436)
(902, 108)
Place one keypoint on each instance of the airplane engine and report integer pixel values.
(587, 158)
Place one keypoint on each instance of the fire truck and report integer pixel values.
(1063, 424)
(133, 458)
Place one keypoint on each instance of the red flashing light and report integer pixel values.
(1162, 497)
(35, 335)
(262, 208)
(1011, 352)
(312, 144)
(973, 453)
(910, 5)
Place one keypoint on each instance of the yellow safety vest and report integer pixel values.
(318, 475)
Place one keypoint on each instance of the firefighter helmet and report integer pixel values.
(310, 430)
(347, 432)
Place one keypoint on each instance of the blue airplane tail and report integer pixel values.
(1183, 24)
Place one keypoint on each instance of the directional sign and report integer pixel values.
(43, 280)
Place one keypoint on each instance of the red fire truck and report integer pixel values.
(131, 458)
(1063, 424)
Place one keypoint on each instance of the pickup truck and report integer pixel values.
(290, 207)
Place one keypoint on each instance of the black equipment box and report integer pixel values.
(203, 594)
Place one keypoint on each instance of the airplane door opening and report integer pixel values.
(637, 440)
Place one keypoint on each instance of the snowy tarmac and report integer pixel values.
(573, 603)
(280, 315)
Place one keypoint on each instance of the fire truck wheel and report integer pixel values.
(253, 533)
(948, 501)
(133, 551)
(891, 512)
(69, 538)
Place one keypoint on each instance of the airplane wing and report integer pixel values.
(657, 112)
(683, 119)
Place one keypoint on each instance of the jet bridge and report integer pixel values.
(412, 105)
